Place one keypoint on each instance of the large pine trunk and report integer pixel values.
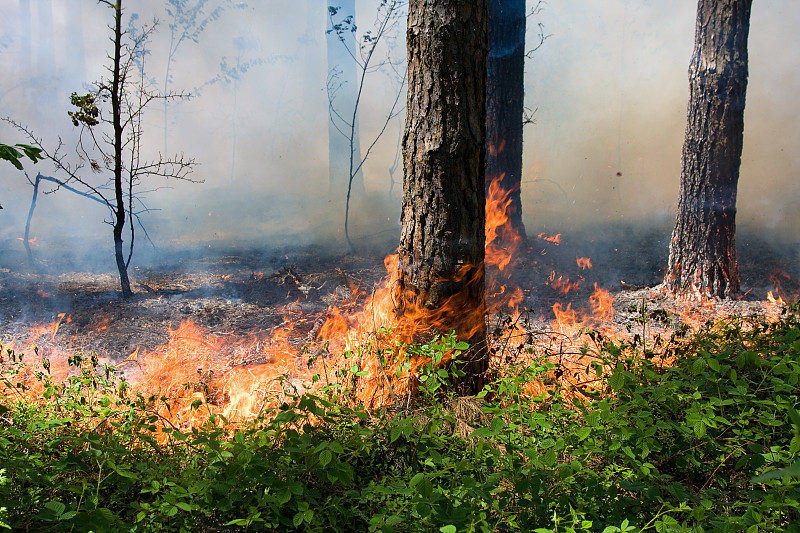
(702, 259)
(441, 254)
(505, 96)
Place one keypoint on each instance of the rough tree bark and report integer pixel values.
(441, 253)
(505, 94)
(702, 259)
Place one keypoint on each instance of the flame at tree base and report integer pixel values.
(369, 352)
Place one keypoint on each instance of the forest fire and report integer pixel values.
(502, 242)
(360, 335)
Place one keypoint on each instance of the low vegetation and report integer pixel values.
(709, 442)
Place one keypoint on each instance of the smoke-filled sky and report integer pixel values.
(609, 86)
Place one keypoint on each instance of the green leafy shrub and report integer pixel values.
(709, 443)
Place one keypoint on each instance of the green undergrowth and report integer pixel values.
(709, 443)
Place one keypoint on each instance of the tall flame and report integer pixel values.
(502, 240)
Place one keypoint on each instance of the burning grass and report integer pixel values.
(671, 436)
(239, 376)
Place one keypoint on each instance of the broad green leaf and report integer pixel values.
(792, 470)
(549, 458)
(497, 424)
(56, 506)
(794, 445)
(699, 428)
(616, 380)
(33, 153)
(11, 155)
(393, 520)
(583, 433)
(426, 488)
(395, 433)
(325, 457)
(336, 447)
(795, 416)
(698, 366)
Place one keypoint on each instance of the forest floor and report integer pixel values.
(239, 292)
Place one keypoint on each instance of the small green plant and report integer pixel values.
(439, 368)
(701, 445)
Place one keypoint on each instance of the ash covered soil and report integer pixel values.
(240, 292)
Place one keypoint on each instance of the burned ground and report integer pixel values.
(239, 294)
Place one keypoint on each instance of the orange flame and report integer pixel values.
(502, 241)
(562, 283)
(555, 239)
(602, 305)
(774, 300)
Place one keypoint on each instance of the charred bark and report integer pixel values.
(505, 94)
(441, 253)
(702, 259)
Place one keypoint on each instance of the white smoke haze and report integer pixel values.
(611, 90)
(609, 86)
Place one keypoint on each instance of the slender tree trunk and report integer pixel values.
(344, 144)
(116, 107)
(27, 238)
(702, 259)
(505, 95)
(441, 254)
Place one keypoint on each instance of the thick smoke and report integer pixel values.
(609, 85)
(611, 90)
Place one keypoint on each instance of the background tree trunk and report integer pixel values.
(505, 94)
(26, 65)
(76, 71)
(441, 250)
(344, 144)
(702, 259)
